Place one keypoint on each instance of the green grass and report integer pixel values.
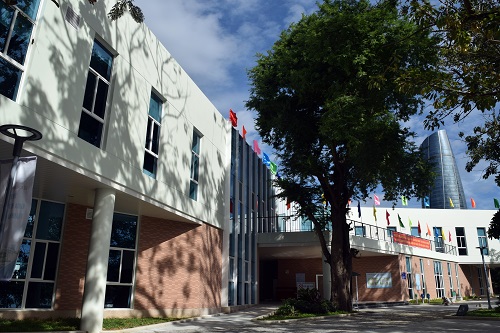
(299, 315)
(73, 324)
(495, 313)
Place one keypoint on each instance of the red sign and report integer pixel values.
(405, 239)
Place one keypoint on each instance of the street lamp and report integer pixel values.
(481, 249)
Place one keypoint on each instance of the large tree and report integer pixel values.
(327, 101)
(467, 77)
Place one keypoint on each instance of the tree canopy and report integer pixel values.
(467, 77)
(328, 102)
(120, 7)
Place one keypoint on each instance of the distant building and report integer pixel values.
(447, 192)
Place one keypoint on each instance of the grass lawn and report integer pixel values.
(495, 313)
(73, 324)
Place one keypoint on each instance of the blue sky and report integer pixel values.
(216, 42)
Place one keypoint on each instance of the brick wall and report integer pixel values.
(287, 270)
(179, 266)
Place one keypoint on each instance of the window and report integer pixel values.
(414, 232)
(461, 243)
(32, 284)
(121, 262)
(450, 279)
(422, 271)
(195, 166)
(390, 230)
(409, 277)
(438, 277)
(481, 281)
(483, 242)
(96, 95)
(152, 136)
(359, 231)
(438, 239)
(16, 27)
(459, 293)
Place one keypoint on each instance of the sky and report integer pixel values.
(216, 42)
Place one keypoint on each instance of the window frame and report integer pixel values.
(483, 240)
(195, 168)
(153, 123)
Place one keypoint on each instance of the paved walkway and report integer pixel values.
(408, 318)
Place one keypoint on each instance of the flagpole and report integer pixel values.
(10, 131)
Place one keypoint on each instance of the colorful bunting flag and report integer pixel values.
(442, 234)
(359, 209)
(375, 213)
(387, 217)
(451, 203)
(400, 222)
(449, 236)
(376, 200)
(436, 232)
(266, 160)
(429, 233)
(349, 202)
(404, 200)
(273, 167)
(256, 147)
(472, 203)
(426, 202)
(419, 229)
(233, 118)
(409, 222)
(244, 132)
(287, 204)
(495, 201)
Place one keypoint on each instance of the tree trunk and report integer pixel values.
(341, 263)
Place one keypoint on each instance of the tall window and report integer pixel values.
(409, 277)
(32, 284)
(483, 242)
(450, 278)
(121, 261)
(16, 27)
(459, 293)
(195, 166)
(152, 136)
(422, 271)
(438, 277)
(481, 281)
(438, 239)
(96, 94)
(390, 230)
(461, 243)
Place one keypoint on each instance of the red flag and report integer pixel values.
(419, 230)
(387, 217)
(473, 203)
(287, 203)
(449, 236)
(244, 131)
(256, 147)
(428, 230)
(233, 118)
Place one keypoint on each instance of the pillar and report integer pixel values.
(97, 261)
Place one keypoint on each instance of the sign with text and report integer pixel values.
(405, 239)
(306, 285)
(378, 280)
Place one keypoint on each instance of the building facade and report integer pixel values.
(447, 191)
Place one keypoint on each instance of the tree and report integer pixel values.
(494, 229)
(119, 8)
(467, 77)
(327, 101)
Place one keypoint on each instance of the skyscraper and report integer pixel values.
(447, 191)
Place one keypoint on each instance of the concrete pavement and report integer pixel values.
(407, 318)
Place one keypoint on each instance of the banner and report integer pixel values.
(16, 211)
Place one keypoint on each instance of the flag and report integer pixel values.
(495, 201)
(359, 209)
(387, 217)
(451, 203)
(449, 236)
(429, 233)
(256, 147)
(375, 213)
(15, 205)
(436, 232)
(266, 160)
(404, 201)
(233, 118)
(409, 222)
(244, 132)
(472, 203)
(287, 204)
(376, 199)
(442, 234)
(426, 202)
(348, 202)
(273, 167)
(323, 199)
(400, 222)
(419, 229)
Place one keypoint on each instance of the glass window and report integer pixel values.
(95, 96)
(438, 239)
(152, 136)
(483, 242)
(438, 277)
(121, 261)
(16, 27)
(409, 277)
(414, 232)
(450, 279)
(461, 243)
(32, 284)
(422, 271)
(359, 231)
(390, 230)
(195, 166)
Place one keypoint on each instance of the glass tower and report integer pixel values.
(447, 192)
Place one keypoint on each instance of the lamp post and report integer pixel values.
(481, 248)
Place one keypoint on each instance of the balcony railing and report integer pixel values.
(361, 229)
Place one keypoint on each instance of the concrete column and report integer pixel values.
(97, 262)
